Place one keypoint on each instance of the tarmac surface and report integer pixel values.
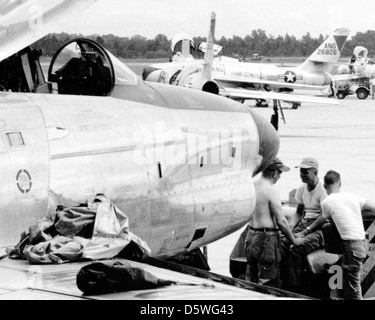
(341, 138)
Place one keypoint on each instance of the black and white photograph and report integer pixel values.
(200, 152)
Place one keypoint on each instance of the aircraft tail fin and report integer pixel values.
(330, 50)
(185, 48)
(209, 54)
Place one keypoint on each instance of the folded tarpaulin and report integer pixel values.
(116, 276)
(57, 250)
(98, 230)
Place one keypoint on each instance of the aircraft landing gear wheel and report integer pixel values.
(340, 95)
(362, 93)
(295, 106)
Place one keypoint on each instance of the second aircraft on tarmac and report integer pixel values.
(243, 80)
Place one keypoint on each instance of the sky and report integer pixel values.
(148, 18)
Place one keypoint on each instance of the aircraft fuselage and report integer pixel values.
(269, 72)
(179, 163)
(182, 173)
(246, 75)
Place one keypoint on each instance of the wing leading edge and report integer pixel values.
(257, 94)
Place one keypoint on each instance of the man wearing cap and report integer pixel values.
(306, 224)
(263, 240)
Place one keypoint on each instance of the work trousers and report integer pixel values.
(294, 267)
(354, 252)
(263, 254)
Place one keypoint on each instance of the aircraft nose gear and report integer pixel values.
(275, 116)
(296, 105)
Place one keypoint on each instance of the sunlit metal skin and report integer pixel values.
(180, 163)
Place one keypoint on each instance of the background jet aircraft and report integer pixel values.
(354, 76)
(359, 65)
(238, 80)
(179, 163)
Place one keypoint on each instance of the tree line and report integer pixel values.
(139, 47)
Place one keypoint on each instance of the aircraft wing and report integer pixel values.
(21, 281)
(249, 80)
(258, 94)
(26, 21)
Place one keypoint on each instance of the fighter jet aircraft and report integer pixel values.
(179, 163)
(360, 65)
(354, 76)
(243, 80)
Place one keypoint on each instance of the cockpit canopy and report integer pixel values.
(79, 67)
(83, 67)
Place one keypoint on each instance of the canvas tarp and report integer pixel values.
(96, 230)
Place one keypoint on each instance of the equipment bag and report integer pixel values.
(115, 276)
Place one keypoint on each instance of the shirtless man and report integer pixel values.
(263, 241)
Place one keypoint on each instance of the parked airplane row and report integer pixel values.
(242, 80)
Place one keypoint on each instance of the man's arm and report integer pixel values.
(280, 219)
(316, 225)
(297, 217)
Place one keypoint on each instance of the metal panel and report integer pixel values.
(24, 167)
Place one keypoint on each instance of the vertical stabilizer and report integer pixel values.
(330, 50)
(185, 48)
(209, 55)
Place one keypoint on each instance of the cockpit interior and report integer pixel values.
(79, 67)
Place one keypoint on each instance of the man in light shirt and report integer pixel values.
(345, 211)
(306, 224)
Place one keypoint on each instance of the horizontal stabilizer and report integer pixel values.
(257, 94)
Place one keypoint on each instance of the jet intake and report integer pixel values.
(197, 81)
(211, 87)
(148, 72)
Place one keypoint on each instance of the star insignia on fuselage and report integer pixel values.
(290, 77)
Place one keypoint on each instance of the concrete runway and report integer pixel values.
(340, 137)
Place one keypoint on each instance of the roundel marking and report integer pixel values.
(290, 77)
(24, 182)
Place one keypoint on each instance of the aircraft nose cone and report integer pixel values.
(269, 142)
(147, 71)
